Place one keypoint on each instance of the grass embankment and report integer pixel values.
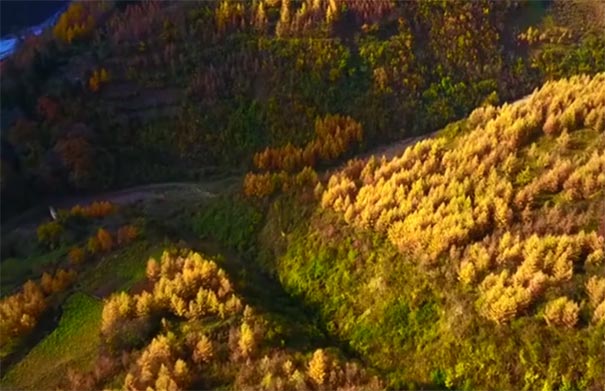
(118, 271)
(16, 271)
(72, 344)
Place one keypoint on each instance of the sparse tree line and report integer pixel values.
(51, 234)
(20, 312)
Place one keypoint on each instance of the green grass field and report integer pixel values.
(72, 344)
(120, 270)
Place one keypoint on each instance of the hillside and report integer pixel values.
(119, 94)
(474, 259)
(305, 195)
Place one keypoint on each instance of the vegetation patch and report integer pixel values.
(73, 343)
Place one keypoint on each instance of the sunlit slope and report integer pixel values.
(476, 258)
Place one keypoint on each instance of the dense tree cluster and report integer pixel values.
(160, 339)
(291, 167)
(78, 21)
(189, 287)
(267, 183)
(335, 135)
(466, 202)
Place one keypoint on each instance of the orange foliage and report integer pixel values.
(259, 185)
(98, 78)
(335, 134)
(105, 240)
(265, 184)
(76, 255)
(77, 22)
(127, 234)
(97, 209)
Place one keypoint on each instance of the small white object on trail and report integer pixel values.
(53, 212)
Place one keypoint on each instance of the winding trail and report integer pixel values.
(157, 191)
(31, 218)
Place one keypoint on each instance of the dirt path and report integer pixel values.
(32, 217)
(127, 196)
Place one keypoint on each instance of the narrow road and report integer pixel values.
(32, 217)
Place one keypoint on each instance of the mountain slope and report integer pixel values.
(473, 260)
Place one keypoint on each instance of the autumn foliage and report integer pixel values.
(266, 184)
(126, 234)
(191, 290)
(102, 242)
(470, 202)
(76, 255)
(77, 22)
(189, 287)
(21, 311)
(97, 209)
(334, 136)
(97, 79)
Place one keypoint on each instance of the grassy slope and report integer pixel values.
(73, 343)
(120, 270)
(416, 323)
(15, 271)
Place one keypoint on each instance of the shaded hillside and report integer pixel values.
(154, 91)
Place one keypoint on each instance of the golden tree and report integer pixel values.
(561, 312)
(318, 367)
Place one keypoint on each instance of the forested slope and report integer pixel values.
(475, 259)
(123, 93)
(472, 259)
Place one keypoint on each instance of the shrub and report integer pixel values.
(49, 234)
(259, 185)
(126, 234)
(93, 246)
(98, 78)
(76, 255)
(105, 240)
